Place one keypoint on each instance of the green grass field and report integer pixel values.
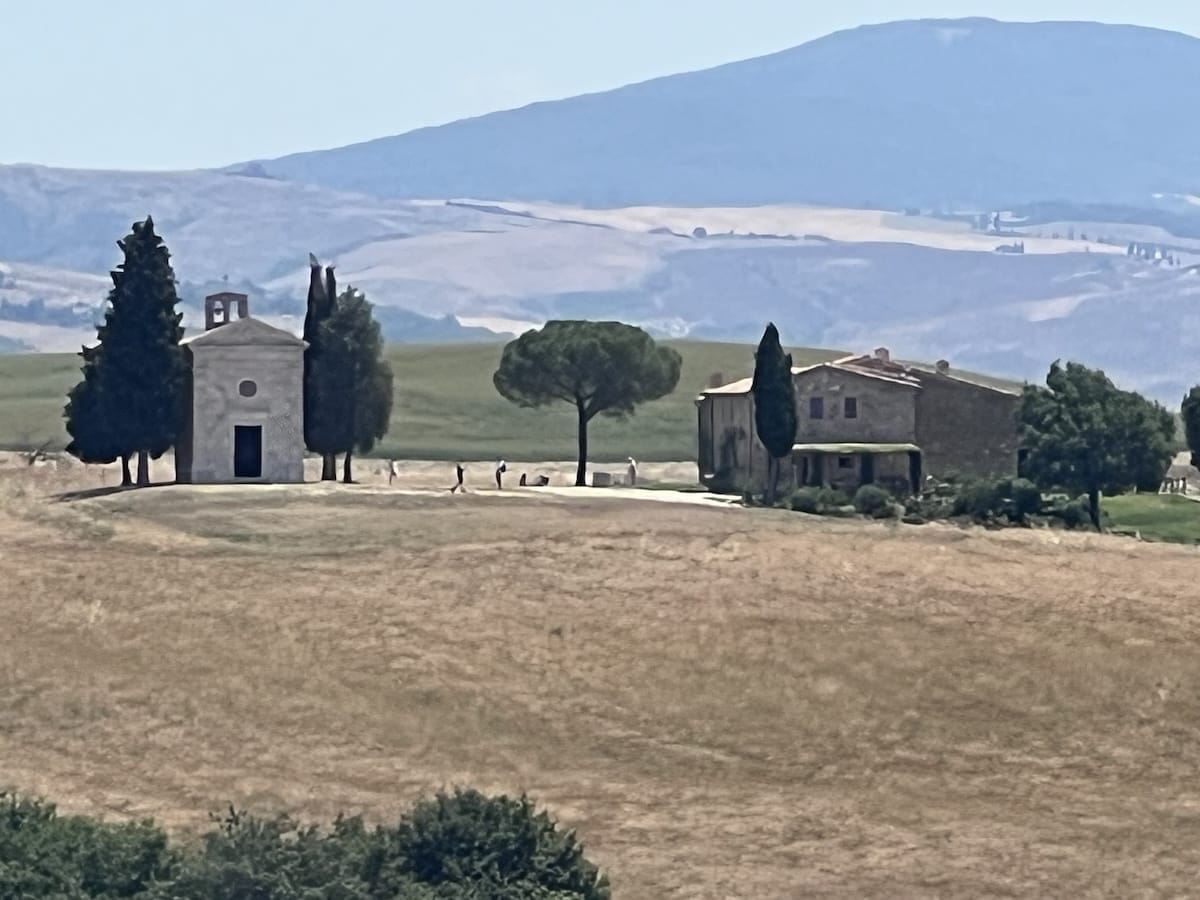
(445, 406)
(1158, 517)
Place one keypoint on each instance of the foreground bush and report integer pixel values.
(500, 846)
(460, 846)
(872, 500)
(817, 500)
(43, 854)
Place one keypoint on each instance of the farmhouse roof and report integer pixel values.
(241, 332)
(741, 386)
(843, 365)
(847, 449)
(906, 373)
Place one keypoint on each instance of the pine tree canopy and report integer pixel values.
(602, 368)
(605, 368)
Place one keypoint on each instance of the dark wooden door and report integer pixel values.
(247, 451)
(867, 473)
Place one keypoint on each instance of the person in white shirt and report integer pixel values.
(632, 471)
(501, 468)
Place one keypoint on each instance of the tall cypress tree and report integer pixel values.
(131, 397)
(774, 404)
(320, 414)
(90, 415)
(352, 382)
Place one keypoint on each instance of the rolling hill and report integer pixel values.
(916, 113)
(932, 113)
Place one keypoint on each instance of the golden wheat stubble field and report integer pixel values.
(724, 703)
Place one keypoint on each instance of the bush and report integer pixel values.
(872, 500)
(817, 500)
(806, 500)
(1011, 499)
(46, 855)
(461, 846)
(1072, 513)
(978, 499)
(278, 859)
(495, 847)
(1024, 499)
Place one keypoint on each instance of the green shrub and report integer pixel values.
(1024, 499)
(831, 498)
(1072, 513)
(460, 846)
(817, 500)
(494, 847)
(805, 500)
(978, 499)
(45, 855)
(872, 500)
(278, 859)
(1010, 499)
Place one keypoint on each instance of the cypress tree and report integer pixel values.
(774, 404)
(131, 397)
(90, 414)
(352, 381)
(320, 417)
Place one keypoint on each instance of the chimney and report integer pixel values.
(943, 366)
(716, 379)
(881, 354)
(218, 308)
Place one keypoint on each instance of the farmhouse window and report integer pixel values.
(845, 462)
(851, 407)
(816, 407)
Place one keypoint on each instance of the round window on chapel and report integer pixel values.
(247, 388)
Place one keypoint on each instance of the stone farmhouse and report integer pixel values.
(245, 399)
(867, 419)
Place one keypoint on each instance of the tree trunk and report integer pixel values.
(347, 478)
(772, 485)
(581, 469)
(1094, 507)
(126, 478)
(328, 467)
(143, 477)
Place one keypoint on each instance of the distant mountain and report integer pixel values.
(925, 113)
(1079, 133)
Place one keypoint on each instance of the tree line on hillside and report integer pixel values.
(456, 846)
(1081, 433)
(131, 399)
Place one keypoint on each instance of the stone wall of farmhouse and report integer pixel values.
(965, 429)
(729, 451)
(886, 410)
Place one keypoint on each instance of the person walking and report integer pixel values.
(458, 474)
(391, 471)
(632, 471)
(501, 468)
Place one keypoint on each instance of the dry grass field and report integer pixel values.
(724, 703)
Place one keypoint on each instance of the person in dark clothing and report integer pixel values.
(458, 474)
(501, 468)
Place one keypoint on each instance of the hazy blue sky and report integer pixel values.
(188, 83)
